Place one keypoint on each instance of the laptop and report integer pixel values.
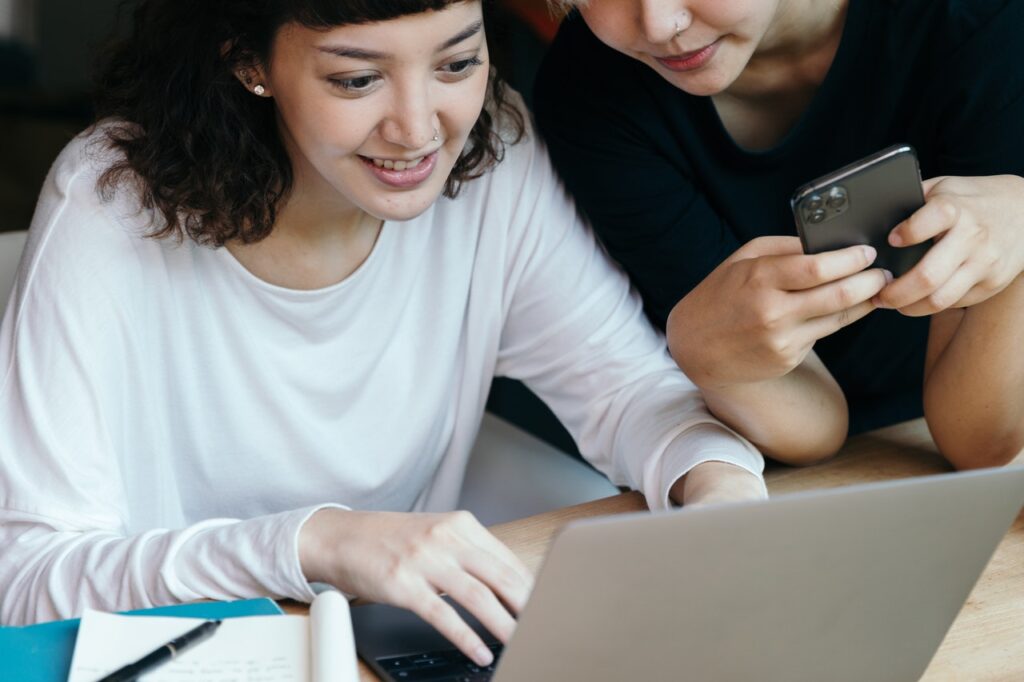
(857, 583)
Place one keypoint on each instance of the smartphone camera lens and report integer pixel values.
(815, 203)
(836, 198)
(818, 216)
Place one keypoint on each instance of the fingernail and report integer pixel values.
(895, 239)
(888, 276)
(879, 303)
(483, 656)
(869, 253)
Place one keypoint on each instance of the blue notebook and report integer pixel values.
(42, 653)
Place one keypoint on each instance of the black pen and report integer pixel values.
(165, 653)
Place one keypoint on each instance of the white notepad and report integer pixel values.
(314, 648)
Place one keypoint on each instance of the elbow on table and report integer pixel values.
(806, 453)
(799, 443)
(992, 450)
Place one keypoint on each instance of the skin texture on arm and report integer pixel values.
(745, 336)
(970, 282)
(974, 381)
(798, 418)
(717, 483)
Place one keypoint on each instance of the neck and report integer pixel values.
(319, 238)
(796, 51)
(318, 216)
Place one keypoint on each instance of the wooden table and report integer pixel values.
(986, 641)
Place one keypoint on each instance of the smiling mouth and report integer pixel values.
(688, 61)
(402, 173)
(395, 164)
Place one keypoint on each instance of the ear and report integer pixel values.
(248, 70)
(254, 80)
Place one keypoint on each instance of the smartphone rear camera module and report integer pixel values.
(836, 198)
(817, 208)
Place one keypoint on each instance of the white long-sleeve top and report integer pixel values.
(168, 421)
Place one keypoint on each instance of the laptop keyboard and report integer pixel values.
(449, 665)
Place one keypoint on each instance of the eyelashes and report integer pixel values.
(367, 83)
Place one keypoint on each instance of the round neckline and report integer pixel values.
(796, 137)
(380, 244)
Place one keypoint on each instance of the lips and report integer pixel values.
(401, 174)
(689, 61)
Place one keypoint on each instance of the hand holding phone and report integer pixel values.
(860, 204)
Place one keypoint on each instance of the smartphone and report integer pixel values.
(861, 204)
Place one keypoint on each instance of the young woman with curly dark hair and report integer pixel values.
(245, 303)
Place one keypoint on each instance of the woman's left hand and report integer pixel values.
(978, 227)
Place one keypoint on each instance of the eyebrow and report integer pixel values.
(370, 55)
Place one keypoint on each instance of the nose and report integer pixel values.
(412, 122)
(661, 21)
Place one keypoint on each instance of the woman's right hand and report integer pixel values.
(408, 559)
(758, 314)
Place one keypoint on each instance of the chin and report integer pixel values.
(698, 85)
(402, 209)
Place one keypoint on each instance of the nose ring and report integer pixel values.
(678, 23)
(437, 135)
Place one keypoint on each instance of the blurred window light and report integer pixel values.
(17, 21)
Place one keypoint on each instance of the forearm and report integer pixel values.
(798, 418)
(974, 381)
(47, 574)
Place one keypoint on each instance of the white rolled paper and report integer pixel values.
(333, 648)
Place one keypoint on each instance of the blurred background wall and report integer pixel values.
(46, 51)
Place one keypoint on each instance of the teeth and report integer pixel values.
(397, 165)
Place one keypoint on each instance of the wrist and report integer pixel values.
(716, 482)
(315, 545)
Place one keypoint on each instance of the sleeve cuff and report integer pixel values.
(299, 588)
(703, 442)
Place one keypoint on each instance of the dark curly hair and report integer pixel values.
(199, 149)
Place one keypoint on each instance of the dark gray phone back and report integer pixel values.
(860, 204)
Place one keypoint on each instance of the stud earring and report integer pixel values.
(259, 90)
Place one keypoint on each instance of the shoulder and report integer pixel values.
(86, 157)
(969, 50)
(77, 232)
(951, 25)
(520, 196)
(73, 183)
(523, 160)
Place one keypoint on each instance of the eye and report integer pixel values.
(462, 66)
(356, 85)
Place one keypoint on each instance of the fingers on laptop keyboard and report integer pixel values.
(480, 600)
(502, 570)
(504, 578)
(438, 613)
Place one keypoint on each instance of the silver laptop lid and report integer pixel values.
(858, 583)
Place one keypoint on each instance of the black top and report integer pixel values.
(672, 195)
